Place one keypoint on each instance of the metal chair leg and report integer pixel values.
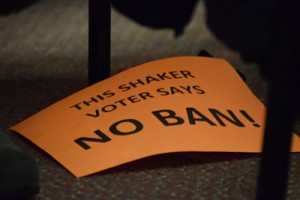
(283, 100)
(99, 40)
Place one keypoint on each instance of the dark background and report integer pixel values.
(43, 58)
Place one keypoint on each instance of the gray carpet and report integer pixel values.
(43, 58)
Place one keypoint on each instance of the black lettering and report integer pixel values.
(109, 108)
(191, 112)
(175, 90)
(133, 99)
(121, 102)
(175, 74)
(232, 119)
(198, 89)
(94, 115)
(162, 92)
(187, 88)
(168, 117)
(163, 76)
(145, 95)
(87, 103)
(108, 94)
(82, 141)
(76, 106)
(138, 82)
(250, 118)
(124, 87)
(186, 74)
(138, 127)
(100, 97)
(149, 79)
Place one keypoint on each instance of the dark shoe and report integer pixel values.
(18, 172)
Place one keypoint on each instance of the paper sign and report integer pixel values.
(180, 104)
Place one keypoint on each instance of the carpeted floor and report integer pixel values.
(43, 58)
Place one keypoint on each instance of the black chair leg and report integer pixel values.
(99, 40)
(283, 103)
(282, 100)
(274, 166)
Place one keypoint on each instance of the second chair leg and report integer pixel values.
(99, 40)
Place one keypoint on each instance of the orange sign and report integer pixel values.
(176, 104)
